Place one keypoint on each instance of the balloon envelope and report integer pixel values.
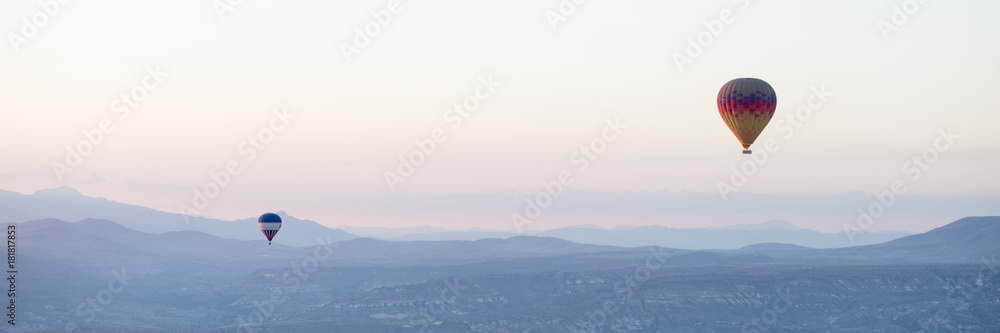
(269, 224)
(746, 105)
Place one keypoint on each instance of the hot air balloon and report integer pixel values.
(746, 105)
(269, 224)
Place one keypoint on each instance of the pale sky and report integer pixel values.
(221, 78)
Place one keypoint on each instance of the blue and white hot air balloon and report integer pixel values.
(269, 224)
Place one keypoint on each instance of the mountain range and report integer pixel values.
(67, 204)
(198, 282)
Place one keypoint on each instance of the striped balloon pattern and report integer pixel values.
(269, 224)
(747, 105)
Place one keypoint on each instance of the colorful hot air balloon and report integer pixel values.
(269, 224)
(746, 105)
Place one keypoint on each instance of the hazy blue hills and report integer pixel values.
(728, 237)
(67, 204)
(885, 298)
(193, 281)
(205, 276)
(90, 237)
(717, 238)
(970, 235)
(971, 239)
(82, 238)
(773, 247)
(961, 241)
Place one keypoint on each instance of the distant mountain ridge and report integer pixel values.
(773, 247)
(727, 237)
(961, 241)
(718, 238)
(773, 224)
(970, 236)
(57, 238)
(210, 282)
(67, 204)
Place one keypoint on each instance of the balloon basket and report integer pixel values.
(747, 151)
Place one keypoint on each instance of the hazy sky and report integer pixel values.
(207, 82)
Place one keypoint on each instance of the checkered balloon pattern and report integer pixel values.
(747, 105)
